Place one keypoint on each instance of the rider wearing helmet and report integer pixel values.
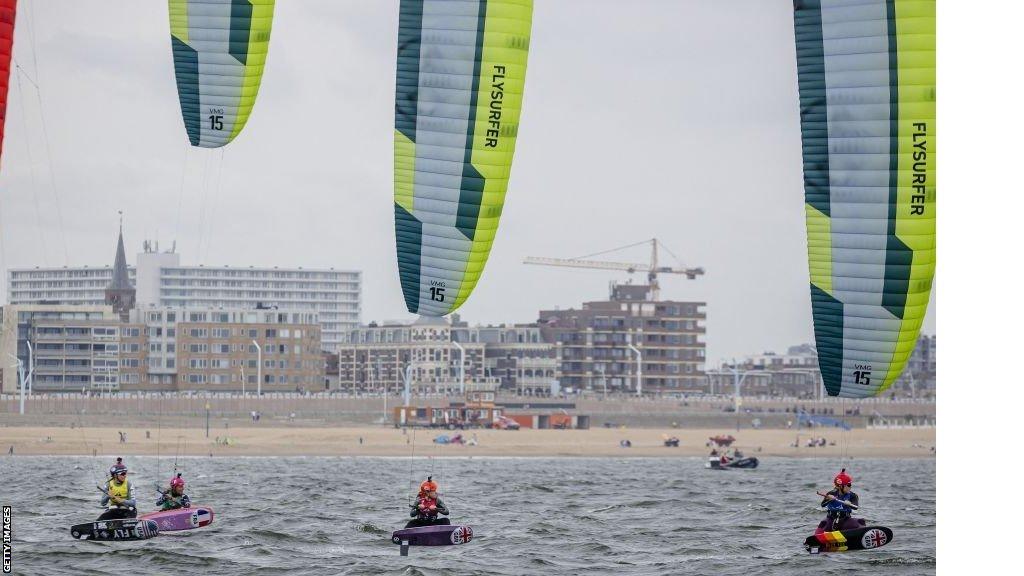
(428, 506)
(118, 494)
(836, 506)
(174, 497)
(426, 486)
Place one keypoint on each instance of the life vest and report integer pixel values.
(424, 507)
(113, 489)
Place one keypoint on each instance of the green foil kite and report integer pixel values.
(867, 112)
(458, 95)
(220, 48)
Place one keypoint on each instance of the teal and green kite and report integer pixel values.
(866, 73)
(458, 96)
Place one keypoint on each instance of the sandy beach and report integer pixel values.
(388, 441)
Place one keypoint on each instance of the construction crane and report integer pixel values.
(652, 268)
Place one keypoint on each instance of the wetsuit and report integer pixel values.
(427, 517)
(838, 515)
(168, 501)
(126, 508)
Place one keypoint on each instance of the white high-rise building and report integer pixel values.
(161, 281)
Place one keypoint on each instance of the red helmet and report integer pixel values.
(177, 481)
(843, 479)
(428, 485)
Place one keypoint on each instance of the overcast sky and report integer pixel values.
(670, 119)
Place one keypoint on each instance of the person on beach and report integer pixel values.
(838, 513)
(174, 497)
(428, 506)
(118, 494)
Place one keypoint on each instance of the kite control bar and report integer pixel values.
(844, 502)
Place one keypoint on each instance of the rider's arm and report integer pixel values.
(185, 501)
(441, 508)
(826, 499)
(130, 500)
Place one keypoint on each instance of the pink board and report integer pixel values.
(181, 518)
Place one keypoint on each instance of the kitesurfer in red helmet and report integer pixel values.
(174, 496)
(427, 507)
(426, 486)
(118, 494)
(839, 504)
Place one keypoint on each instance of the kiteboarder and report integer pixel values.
(118, 494)
(174, 497)
(428, 506)
(839, 504)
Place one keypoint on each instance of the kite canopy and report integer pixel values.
(8, 10)
(867, 112)
(458, 95)
(220, 47)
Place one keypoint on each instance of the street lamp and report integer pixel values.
(639, 365)
(738, 379)
(407, 376)
(462, 367)
(259, 369)
(21, 378)
(31, 367)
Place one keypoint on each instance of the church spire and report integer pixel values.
(121, 281)
(120, 293)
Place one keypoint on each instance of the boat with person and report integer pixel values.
(717, 463)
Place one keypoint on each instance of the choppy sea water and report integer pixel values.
(551, 516)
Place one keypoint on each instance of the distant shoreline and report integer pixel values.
(386, 441)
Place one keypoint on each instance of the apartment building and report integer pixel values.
(599, 345)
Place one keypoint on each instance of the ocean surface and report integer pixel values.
(551, 516)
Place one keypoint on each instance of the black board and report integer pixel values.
(867, 538)
(116, 530)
